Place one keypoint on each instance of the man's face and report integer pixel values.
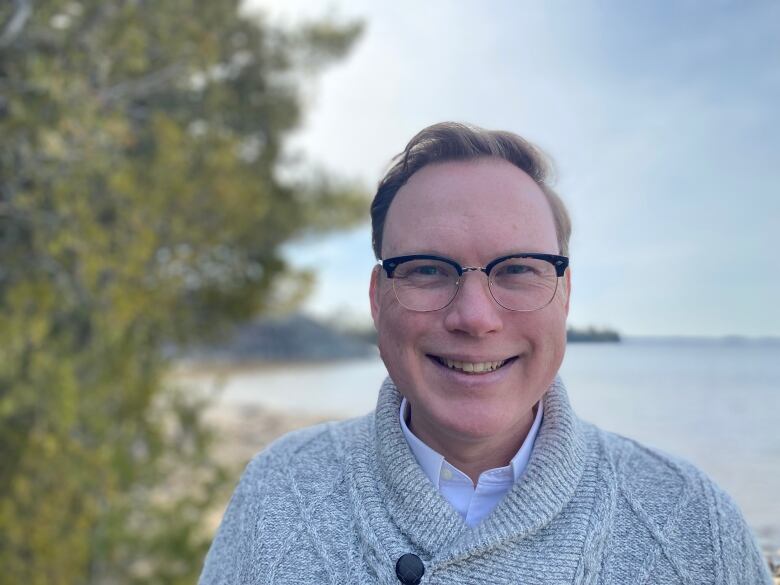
(471, 212)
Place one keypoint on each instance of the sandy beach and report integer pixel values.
(244, 430)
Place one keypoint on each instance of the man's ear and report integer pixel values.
(373, 293)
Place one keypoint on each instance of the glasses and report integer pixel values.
(518, 282)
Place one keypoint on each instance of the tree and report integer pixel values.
(141, 208)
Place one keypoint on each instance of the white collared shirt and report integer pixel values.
(474, 504)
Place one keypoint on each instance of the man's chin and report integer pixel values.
(466, 423)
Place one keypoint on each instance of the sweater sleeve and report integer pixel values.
(740, 560)
(231, 549)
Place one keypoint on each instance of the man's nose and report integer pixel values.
(473, 310)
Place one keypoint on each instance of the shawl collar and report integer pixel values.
(386, 473)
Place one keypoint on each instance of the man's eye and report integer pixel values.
(424, 271)
(427, 270)
(517, 270)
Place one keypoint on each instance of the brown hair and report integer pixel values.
(452, 141)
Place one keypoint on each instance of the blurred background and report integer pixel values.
(185, 251)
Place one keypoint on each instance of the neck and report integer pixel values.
(473, 456)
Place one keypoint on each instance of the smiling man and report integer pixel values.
(474, 468)
(472, 352)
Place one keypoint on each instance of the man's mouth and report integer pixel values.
(471, 367)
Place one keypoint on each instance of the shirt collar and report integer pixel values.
(432, 462)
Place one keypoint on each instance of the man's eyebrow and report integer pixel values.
(425, 253)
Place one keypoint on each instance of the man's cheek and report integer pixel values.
(390, 344)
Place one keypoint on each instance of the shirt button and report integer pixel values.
(446, 474)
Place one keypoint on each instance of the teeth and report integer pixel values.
(474, 367)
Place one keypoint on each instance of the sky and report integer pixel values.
(662, 118)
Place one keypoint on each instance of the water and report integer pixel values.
(716, 404)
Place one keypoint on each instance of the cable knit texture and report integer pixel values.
(341, 502)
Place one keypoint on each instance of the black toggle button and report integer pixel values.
(409, 569)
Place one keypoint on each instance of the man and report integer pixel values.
(473, 468)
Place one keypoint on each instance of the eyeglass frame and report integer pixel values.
(560, 263)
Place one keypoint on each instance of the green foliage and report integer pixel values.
(140, 208)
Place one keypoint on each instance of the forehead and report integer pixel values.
(471, 210)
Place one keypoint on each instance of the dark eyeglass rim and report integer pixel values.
(560, 263)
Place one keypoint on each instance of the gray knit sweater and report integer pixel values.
(341, 502)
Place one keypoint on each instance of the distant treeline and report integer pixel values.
(592, 334)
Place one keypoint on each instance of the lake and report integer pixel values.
(714, 403)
